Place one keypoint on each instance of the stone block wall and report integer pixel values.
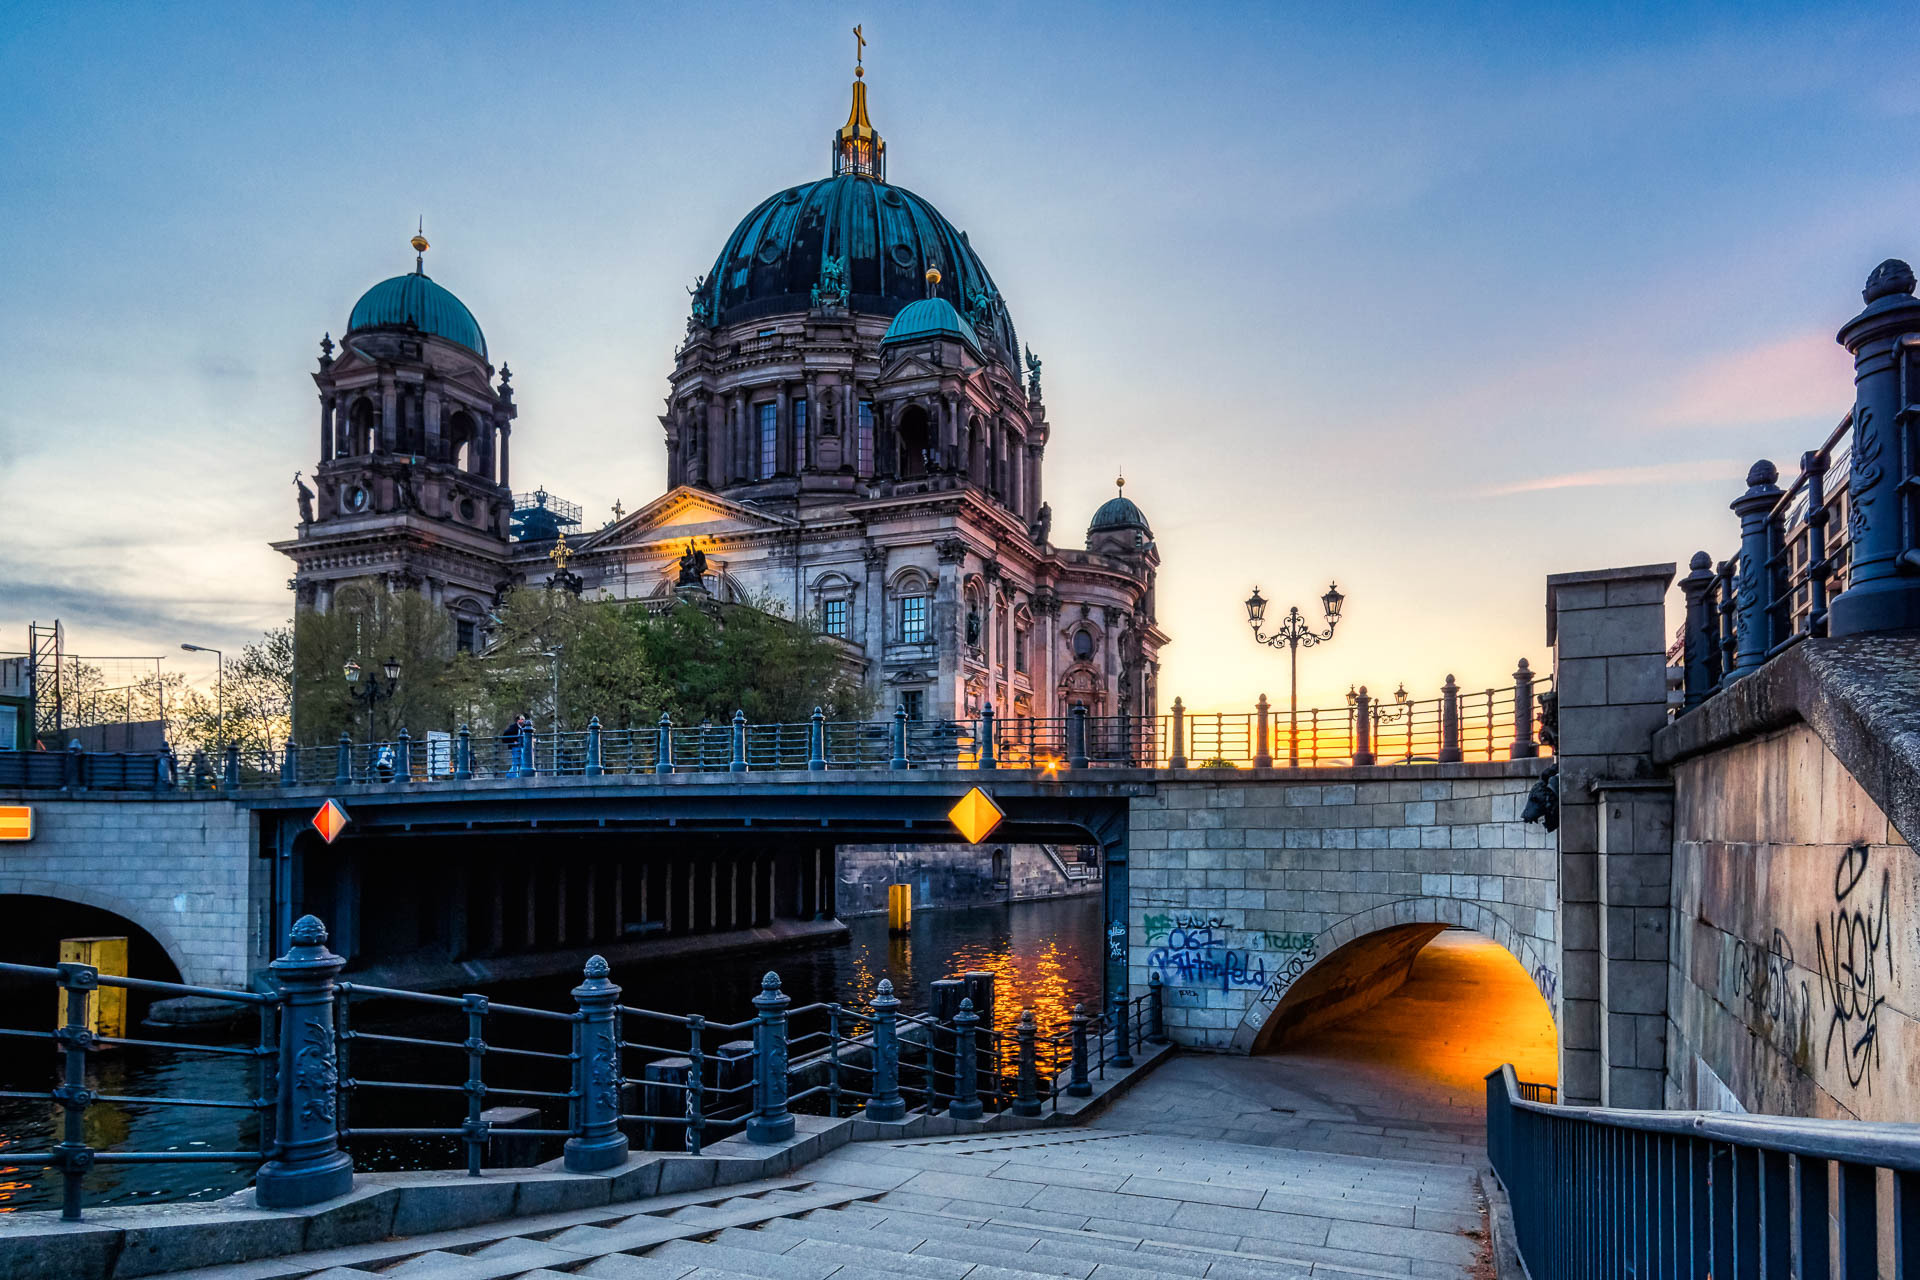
(181, 867)
(1796, 927)
(1635, 880)
(951, 875)
(1239, 885)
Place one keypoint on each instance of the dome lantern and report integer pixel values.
(858, 147)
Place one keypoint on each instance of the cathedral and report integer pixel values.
(854, 436)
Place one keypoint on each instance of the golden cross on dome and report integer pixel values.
(859, 51)
(561, 553)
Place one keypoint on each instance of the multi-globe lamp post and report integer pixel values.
(371, 691)
(1294, 634)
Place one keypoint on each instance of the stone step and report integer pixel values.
(750, 1262)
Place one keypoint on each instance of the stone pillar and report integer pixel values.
(389, 415)
(1636, 880)
(1609, 632)
(1883, 592)
(506, 434)
(326, 428)
(784, 461)
(434, 451)
(876, 633)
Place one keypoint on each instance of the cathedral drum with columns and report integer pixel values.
(850, 439)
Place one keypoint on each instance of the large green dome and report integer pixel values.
(416, 302)
(887, 236)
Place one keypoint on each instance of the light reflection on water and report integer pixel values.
(1045, 955)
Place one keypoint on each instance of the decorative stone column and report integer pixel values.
(1636, 882)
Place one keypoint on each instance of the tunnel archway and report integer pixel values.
(1365, 958)
(32, 925)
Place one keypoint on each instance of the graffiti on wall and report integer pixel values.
(1759, 977)
(1854, 948)
(1191, 950)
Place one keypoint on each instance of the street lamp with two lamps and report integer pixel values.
(371, 690)
(1294, 634)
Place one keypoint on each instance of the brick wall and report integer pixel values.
(180, 867)
(1238, 886)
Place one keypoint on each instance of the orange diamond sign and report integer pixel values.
(330, 821)
(16, 822)
(976, 815)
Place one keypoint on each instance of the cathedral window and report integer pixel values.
(864, 439)
(1083, 644)
(913, 620)
(915, 701)
(466, 634)
(1020, 636)
(769, 439)
(834, 618)
(799, 434)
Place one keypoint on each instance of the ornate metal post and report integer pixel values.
(817, 742)
(1699, 643)
(899, 760)
(289, 765)
(1363, 727)
(1027, 1101)
(1078, 1086)
(984, 747)
(597, 1142)
(308, 1165)
(1122, 1040)
(1524, 746)
(696, 1084)
(1883, 588)
(886, 1102)
(475, 1129)
(403, 756)
(663, 751)
(1077, 738)
(526, 750)
(1813, 464)
(1178, 760)
(966, 1085)
(595, 767)
(738, 762)
(1156, 1011)
(72, 1155)
(1723, 619)
(1262, 744)
(463, 754)
(232, 766)
(1449, 721)
(1753, 599)
(771, 1121)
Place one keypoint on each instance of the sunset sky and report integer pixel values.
(1432, 300)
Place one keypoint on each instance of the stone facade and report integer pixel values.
(1792, 985)
(182, 868)
(1239, 888)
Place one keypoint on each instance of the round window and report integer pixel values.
(354, 498)
(467, 508)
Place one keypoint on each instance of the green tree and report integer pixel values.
(369, 624)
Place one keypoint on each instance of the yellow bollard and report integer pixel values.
(899, 908)
(106, 1006)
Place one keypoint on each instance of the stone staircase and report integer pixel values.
(1082, 1203)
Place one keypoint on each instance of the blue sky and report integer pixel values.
(1435, 300)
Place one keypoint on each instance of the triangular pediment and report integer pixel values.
(684, 512)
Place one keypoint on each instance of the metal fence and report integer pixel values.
(602, 1077)
(1653, 1194)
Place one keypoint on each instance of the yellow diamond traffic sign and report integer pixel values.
(330, 821)
(976, 815)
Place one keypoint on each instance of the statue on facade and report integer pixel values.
(693, 568)
(832, 289)
(1042, 527)
(702, 309)
(973, 628)
(1033, 375)
(979, 308)
(306, 499)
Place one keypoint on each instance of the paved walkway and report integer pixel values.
(1405, 1080)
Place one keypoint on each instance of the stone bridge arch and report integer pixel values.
(1401, 928)
(19, 892)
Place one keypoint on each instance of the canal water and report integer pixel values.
(1046, 955)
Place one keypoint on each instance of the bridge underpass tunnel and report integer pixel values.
(1398, 1029)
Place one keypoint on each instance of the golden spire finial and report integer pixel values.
(859, 52)
(857, 145)
(561, 554)
(420, 248)
(933, 280)
(1120, 482)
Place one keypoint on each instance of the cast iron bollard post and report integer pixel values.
(966, 1085)
(1122, 1040)
(1699, 645)
(771, 1121)
(169, 771)
(1883, 590)
(476, 1128)
(72, 1156)
(526, 750)
(1813, 464)
(463, 754)
(738, 762)
(663, 751)
(1262, 743)
(403, 757)
(594, 766)
(985, 745)
(1078, 1085)
(1363, 727)
(817, 742)
(597, 1142)
(308, 1165)
(1027, 1101)
(1524, 747)
(1178, 760)
(1723, 610)
(1156, 1010)
(696, 1084)
(899, 760)
(1077, 738)
(289, 765)
(1753, 600)
(1449, 721)
(886, 1102)
(232, 770)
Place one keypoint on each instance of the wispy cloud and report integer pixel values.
(1807, 375)
(1618, 477)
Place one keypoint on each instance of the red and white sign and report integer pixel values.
(330, 821)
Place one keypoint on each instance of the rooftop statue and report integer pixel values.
(693, 568)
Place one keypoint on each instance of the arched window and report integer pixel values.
(914, 443)
(1083, 644)
(463, 441)
(976, 453)
(360, 426)
(912, 608)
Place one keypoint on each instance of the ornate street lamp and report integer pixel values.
(219, 692)
(1294, 634)
(372, 690)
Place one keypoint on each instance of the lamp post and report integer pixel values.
(219, 692)
(372, 691)
(1401, 711)
(1294, 634)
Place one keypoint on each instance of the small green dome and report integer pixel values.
(930, 318)
(416, 302)
(1119, 512)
